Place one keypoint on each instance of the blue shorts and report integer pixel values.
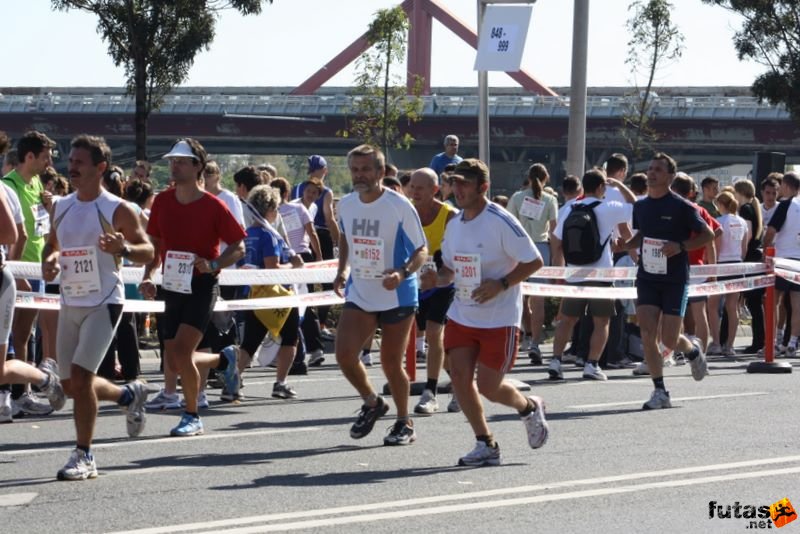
(544, 250)
(671, 299)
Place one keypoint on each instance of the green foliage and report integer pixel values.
(156, 42)
(381, 103)
(770, 35)
(654, 41)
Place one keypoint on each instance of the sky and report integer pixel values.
(292, 39)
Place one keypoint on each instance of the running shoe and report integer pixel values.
(790, 351)
(230, 376)
(453, 406)
(80, 466)
(641, 370)
(367, 417)
(535, 354)
(658, 399)
(593, 372)
(202, 401)
(525, 344)
(366, 359)
(714, 349)
(728, 352)
(481, 455)
(580, 361)
(135, 417)
(30, 406)
(554, 370)
(49, 363)
(536, 424)
(421, 356)
(189, 425)
(164, 401)
(698, 365)
(283, 391)
(400, 433)
(316, 358)
(327, 334)
(230, 397)
(53, 390)
(427, 405)
(5, 407)
(298, 368)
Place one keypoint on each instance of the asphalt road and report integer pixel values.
(269, 465)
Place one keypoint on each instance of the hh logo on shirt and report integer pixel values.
(366, 227)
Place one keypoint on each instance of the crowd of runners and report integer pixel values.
(425, 247)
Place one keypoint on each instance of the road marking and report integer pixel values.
(146, 441)
(16, 499)
(407, 504)
(638, 402)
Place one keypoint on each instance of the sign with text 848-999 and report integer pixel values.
(502, 38)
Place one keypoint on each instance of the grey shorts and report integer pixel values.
(84, 335)
(575, 307)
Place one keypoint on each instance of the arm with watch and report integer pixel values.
(229, 256)
(673, 248)
(394, 277)
(489, 288)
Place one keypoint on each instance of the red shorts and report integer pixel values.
(497, 347)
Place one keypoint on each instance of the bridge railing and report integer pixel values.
(598, 107)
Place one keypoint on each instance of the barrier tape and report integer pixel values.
(577, 274)
(791, 265)
(791, 276)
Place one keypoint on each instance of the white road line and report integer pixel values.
(135, 442)
(16, 499)
(638, 402)
(415, 503)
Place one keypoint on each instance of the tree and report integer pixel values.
(654, 40)
(770, 35)
(156, 41)
(380, 97)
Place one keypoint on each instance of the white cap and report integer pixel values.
(181, 149)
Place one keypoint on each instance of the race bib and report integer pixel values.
(79, 274)
(468, 275)
(368, 258)
(178, 269)
(291, 222)
(532, 208)
(736, 232)
(653, 259)
(41, 220)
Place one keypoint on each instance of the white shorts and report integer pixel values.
(84, 335)
(8, 298)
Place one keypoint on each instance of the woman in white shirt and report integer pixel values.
(731, 248)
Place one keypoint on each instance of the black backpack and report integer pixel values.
(581, 235)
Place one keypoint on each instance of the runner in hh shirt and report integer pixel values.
(487, 253)
(665, 223)
(383, 243)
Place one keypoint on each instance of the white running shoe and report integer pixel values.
(714, 349)
(536, 424)
(135, 417)
(30, 406)
(53, 390)
(164, 401)
(658, 399)
(366, 359)
(202, 401)
(5, 407)
(481, 455)
(80, 466)
(593, 372)
(316, 358)
(427, 405)
(453, 406)
(790, 351)
(554, 370)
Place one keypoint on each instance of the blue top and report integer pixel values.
(260, 243)
(671, 218)
(442, 160)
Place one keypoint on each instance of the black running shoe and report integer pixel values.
(367, 418)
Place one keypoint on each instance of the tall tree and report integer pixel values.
(654, 42)
(770, 35)
(380, 96)
(156, 41)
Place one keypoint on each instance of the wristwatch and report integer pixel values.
(214, 265)
(125, 252)
(683, 247)
(405, 272)
(504, 282)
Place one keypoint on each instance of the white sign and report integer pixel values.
(502, 38)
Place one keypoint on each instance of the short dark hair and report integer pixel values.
(672, 166)
(592, 180)
(570, 185)
(405, 178)
(792, 179)
(199, 151)
(12, 157)
(4, 142)
(709, 180)
(770, 182)
(48, 175)
(639, 183)
(144, 164)
(138, 192)
(776, 176)
(450, 167)
(248, 176)
(97, 147)
(34, 142)
(473, 168)
(682, 185)
(616, 163)
(282, 185)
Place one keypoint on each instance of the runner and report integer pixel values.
(487, 253)
(382, 240)
(665, 222)
(93, 231)
(433, 301)
(186, 225)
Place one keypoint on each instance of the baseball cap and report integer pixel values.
(471, 170)
(181, 149)
(316, 163)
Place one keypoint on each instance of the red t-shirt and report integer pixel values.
(197, 227)
(696, 256)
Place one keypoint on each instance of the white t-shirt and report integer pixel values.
(312, 209)
(766, 214)
(295, 217)
(609, 214)
(500, 243)
(16, 212)
(563, 211)
(734, 231)
(381, 235)
(234, 204)
(787, 239)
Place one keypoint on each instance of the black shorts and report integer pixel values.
(434, 308)
(393, 316)
(194, 309)
(671, 299)
(782, 285)
(255, 331)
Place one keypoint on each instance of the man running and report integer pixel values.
(383, 243)
(93, 231)
(668, 227)
(487, 253)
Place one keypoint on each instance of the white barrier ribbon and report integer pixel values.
(577, 274)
